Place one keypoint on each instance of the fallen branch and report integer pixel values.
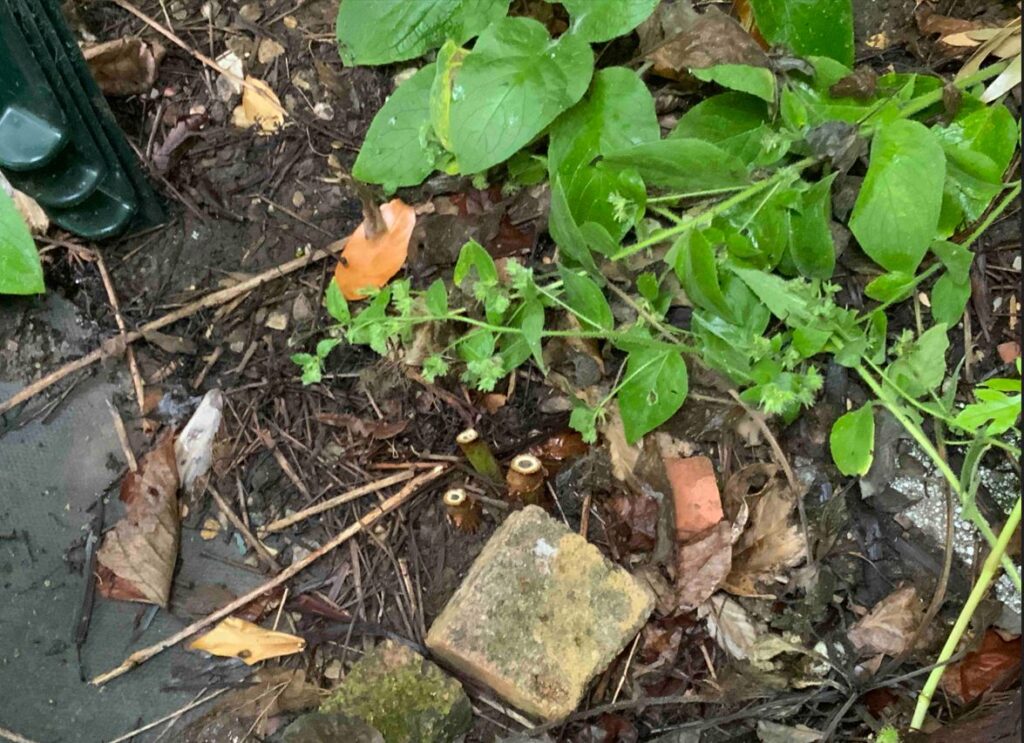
(141, 656)
(210, 300)
(338, 500)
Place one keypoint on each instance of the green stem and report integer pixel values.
(930, 99)
(978, 592)
(710, 213)
(968, 509)
(693, 194)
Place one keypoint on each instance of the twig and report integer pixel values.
(141, 656)
(11, 735)
(261, 550)
(338, 500)
(122, 437)
(173, 715)
(213, 299)
(133, 367)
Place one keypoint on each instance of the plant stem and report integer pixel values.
(693, 194)
(930, 99)
(978, 592)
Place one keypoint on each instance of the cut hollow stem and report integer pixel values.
(463, 511)
(479, 454)
(525, 480)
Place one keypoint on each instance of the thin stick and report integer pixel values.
(213, 299)
(172, 716)
(338, 500)
(141, 656)
(122, 437)
(261, 550)
(133, 367)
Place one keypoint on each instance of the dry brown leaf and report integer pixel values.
(730, 625)
(994, 666)
(890, 625)
(370, 263)
(136, 560)
(702, 565)
(260, 107)
(124, 66)
(624, 456)
(238, 638)
(363, 428)
(268, 51)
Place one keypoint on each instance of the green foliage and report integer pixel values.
(601, 20)
(682, 164)
(20, 271)
(808, 27)
(652, 390)
(757, 81)
(852, 441)
(998, 407)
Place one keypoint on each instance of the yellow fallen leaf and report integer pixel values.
(210, 530)
(260, 106)
(237, 638)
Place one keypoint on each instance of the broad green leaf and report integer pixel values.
(682, 164)
(610, 196)
(437, 298)
(922, 367)
(894, 286)
(398, 149)
(757, 81)
(477, 345)
(449, 59)
(897, 211)
(653, 389)
(852, 441)
(598, 239)
(603, 20)
(587, 301)
(337, 305)
(571, 242)
(473, 256)
(808, 27)
(20, 270)
(811, 245)
(511, 86)
(956, 258)
(735, 122)
(525, 169)
(325, 346)
(695, 265)
(618, 112)
(996, 409)
(372, 32)
(949, 299)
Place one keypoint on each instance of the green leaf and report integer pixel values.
(777, 294)
(735, 122)
(819, 27)
(531, 323)
(653, 389)
(949, 299)
(398, 150)
(587, 301)
(437, 298)
(325, 346)
(337, 306)
(956, 258)
(584, 419)
(603, 20)
(612, 197)
(811, 245)
(996, 409)
(449, 59)
(894, 286)
(473, 256)
(372, 32)
(695, 265)
(513, 84)
(312, 371)
(572, 243)
(852, 441)
(922, 367)
(682, 164)
(434, 366)
(20, 270)
(897, 211)
(757, 81)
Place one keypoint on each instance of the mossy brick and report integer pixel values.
(540, 613)
(404, 696)
(329, 727)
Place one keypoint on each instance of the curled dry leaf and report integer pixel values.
(890, 625)
(238, 638)
(702, 565)
(124, 66)
(371, 262)
(992, 667)
(730, 625)
(179, 134)
(136, 560)
(260, 107)
(193, 449)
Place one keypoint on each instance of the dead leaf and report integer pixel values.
(1007, 80)
(889, 626)
(260, 107)
(193, 449)
(698, 504)
(371, 262)
(206, 598)
(560, 448)
(226, 86)
(363, 428)
(676, 37)
(635, 522)
(124, 66)
(238, 638)
(934, 23)
(492, 402)
(136, 560)
(179, 134)
(210, 530)
(170, 343)
(860, 84)
(774, 732)
(702, 565)
(1008, 352)
(268, 51)
(994, 666)
(730, 625)
(623, 455)
(771, 542)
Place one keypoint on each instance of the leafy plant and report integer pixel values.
(20, 271)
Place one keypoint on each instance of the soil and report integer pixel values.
(239, 204)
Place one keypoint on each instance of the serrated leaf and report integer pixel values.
(20, 270)
(587, 301)
(513, 84)
(682, 164)
(949, 299)
(603, 20)
(653, 389)
(896, 215)
(735, 122)
(822, 28)
(337, 305)
(922, 367)
(852, 441)
(398, 150)
(811, 245)
(757, 81)
(697, 270)
(372, 32)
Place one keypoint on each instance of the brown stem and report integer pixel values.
(463, 511)
(525, 480)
